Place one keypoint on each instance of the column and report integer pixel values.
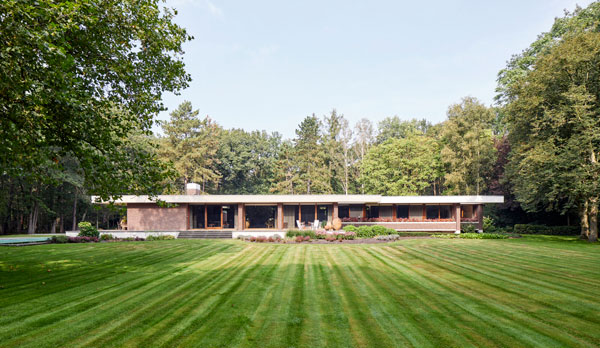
(241, 221)
(280, 216)
(457, 217)
(479, 218)
(336, 213)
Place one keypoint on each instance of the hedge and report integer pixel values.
(549, 230)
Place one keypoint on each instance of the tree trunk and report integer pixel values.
(593, 212)
(585, 226)
(33, 217)
(62, 223)
(54, 224)
(74, 228)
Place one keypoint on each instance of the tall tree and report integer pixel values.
(364, 138)
(554, 127)
(285, 176)
(246, 161)
(333, 148)
(313, 176)
(65, 67)
(394, 127)
(468, 151)
(407, 166)
(191, 144)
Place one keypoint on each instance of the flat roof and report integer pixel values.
(300, 199)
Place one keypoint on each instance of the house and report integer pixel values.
(246, 214)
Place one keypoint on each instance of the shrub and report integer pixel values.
(306, 238)
(468, 228)
(413, 234)
(488, 225)
(388, 237)
(365, 232)
(321, 235)
(445, 235)
(482, 236)
(59, 239)
(87, 230)
(330, 238)
(83, 239)
(349, 235)
(132, 239)
(378, 230)
(270, 239)
(299, 239)
(107, 236)
(350, 228)
(391, 231)
(303, 233)
(549, 230)
(159, 237)
(253, 239)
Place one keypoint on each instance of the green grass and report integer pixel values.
(418, 292)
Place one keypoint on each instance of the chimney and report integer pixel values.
(192, 189)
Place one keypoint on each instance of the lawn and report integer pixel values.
(419, 292)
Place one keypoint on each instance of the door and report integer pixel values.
(214, 214)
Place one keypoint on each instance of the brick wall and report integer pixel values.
(150, 217)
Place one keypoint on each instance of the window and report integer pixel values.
(343, 211)
(372, 211)
(261, 216)
(445, 211)
(433, 211)
(229, 216)
(416, 212)
(307, 213)
(402, 211)
(324, 213)
(196, 216)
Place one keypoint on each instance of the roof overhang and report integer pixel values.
(305, 199)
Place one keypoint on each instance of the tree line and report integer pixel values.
(74, 125)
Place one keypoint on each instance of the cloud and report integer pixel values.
(214, 10)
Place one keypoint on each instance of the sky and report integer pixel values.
(267, 65)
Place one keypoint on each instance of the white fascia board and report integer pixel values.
(441, 199)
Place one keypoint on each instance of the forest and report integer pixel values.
(68, 135)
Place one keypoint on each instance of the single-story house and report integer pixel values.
(248, 213)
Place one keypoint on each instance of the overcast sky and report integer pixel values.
(268, 64)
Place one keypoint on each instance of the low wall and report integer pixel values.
(237, 234)
(129, 234)
(424, 226)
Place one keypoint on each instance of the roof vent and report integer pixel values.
(192, 189)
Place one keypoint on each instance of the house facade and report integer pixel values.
(196, 211)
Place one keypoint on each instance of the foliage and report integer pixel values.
(468, 148)
(488, 225)
(547, 230)
(107, 236)
(555, 131)
(77, 78)
(350, 228)
(408, 166)
(191, 144)
(59, 239)
(159, 237)
(468, 228)
(87, 230)
(301, 233)
(395, 128)
(83, 239)
(469, 235)
(310, 159)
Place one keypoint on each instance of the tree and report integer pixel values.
(468, 150)
(333, 146)
(191, 144)
(364, 137)
(554, 128)
(310, 158)
(76, 78)
(246, 161)
(285, 176)
(407, 166)
(394, 127)
(519, 66)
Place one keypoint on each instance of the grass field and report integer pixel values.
(537, 291)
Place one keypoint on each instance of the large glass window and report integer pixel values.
(343, 211)
(213, 216)
(196, 216)
(324, 213)
(372, 211)
(445, 211)
(229, 216)
(467, 211)
(308, 213)
(433, 211)
(402, 211)
(261, 216)
(416, 212)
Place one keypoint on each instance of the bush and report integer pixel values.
(379, 230)
(350, 228)
(160, 237)
(131, 239)
(488, 225)
(59, 239)
(483, 236)
(390, 231)
(107, 236)
(299, 239)
(413, 234)
(301, 233)
(87, 230)
(349, 235)
(549, 230)
(388, 237)
(365, 232)
(83, 239)
(468, 228)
